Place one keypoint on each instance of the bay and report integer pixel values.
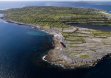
(21, 47)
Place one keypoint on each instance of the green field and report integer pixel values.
(59, 18)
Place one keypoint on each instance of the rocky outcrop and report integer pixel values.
(81, 55)
(83, 47)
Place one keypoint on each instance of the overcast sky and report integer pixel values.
(55, 0)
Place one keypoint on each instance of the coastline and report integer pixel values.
(50, 32)
(56, 55)
(20, 23)
(53, 33)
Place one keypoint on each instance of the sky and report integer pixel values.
(55, 0)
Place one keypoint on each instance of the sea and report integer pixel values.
(22, 47)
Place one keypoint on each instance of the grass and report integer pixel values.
(103, 34)
(84, 56)
(76, 39)
(58, 18)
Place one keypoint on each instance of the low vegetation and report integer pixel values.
(59, 18)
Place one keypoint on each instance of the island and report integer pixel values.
(73, 46)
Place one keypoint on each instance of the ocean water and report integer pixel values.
(21, 47)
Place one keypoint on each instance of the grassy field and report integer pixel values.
(57, 18)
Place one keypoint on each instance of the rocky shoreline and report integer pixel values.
(86, 54)
(89, 53)
(54, 33)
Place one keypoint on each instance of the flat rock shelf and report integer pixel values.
(85, 51)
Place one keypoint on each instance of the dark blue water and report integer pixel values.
(22, 47)
(21, 52)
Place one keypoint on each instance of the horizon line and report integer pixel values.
(48, 1)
